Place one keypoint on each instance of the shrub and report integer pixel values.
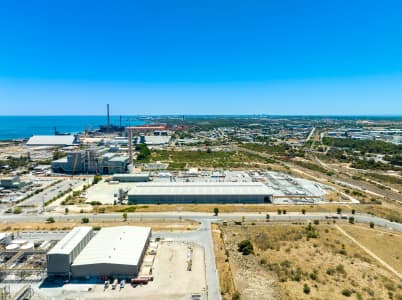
(96, 179)
(17, 210)
(85, 220)
(284, 211)
(339, 210)
(353, 211)
(346, 292)
(371, 224)
(303, 211)
(279, 211)
(316, 222)
(216, 211)
(351, 220)
(245, 247)
(66, 210)
(306, 289)
(330, 271)
(236, 296)
(50, 220)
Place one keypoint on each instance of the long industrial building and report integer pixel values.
(114, 251)
(200, 192)
(53, 140)
(60, 258)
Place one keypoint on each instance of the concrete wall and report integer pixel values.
(104, 269)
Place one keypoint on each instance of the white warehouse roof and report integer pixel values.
(51, 140)
(123, 245)
(67, 244)
(201, 188)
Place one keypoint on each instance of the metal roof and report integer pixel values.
(115, 245)
(40, 140)
(67, 244)
(201, 188)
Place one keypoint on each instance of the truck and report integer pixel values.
(114, 284)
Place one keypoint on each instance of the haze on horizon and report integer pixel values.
(209, 57)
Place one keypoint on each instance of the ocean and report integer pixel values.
(20, 127)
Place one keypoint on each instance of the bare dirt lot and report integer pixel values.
(156, 225)
(297, 261)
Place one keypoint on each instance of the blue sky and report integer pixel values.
(201, 57)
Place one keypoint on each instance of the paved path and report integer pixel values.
(382, 262)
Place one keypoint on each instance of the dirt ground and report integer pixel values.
(167, 225)
(385, 244)
(294, 261)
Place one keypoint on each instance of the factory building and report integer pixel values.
(133, 177)
(114, 251)
(62, 255)
(200, 192)
(53, 140)
(94, 161)
(12, 182)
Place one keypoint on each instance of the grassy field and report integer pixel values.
(179, 160)
(386, 245)
(301, 262)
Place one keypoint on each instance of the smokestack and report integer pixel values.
(108, 118)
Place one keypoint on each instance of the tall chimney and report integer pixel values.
(108, 118)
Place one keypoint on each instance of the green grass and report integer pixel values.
(186, 159)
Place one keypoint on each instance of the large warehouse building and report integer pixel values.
(60, 258)
(200, 192)
(114, 251)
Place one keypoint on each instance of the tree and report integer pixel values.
(96, 179)
(351, 220)
(303, 211)
(353, 211)
(50, 220)
(66, 210)
(279, 211)
(85, 220)
(371, 224)
(338, 210)
(216, 211)
(125, 216)
(245, 247)
(267, 217)
(284, 211)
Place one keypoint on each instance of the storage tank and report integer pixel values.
(12, 247)
(27, 246)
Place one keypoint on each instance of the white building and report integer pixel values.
(114, 251)
(52, 140)
(61, 256)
